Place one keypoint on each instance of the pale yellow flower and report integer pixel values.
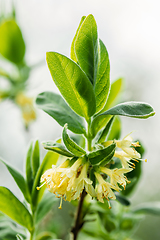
(104, 189)
(116, 176)
(125, 159)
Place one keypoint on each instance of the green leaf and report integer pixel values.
(102, 84)
(98, 123)
(148, 208)
(35, 160)
(12, 45)
(45, 206)
(56, 107)
(124, 201)
(115, 131)
(73, 54)
(19, 179)
(116, 89)
(19, 237)
(78, 91)
(11, 206)
(102, 156)
(50, 159)
(86, 47)
(105, 131)
(71, 145)
(58, 148)
(29, 175)
(131, 109)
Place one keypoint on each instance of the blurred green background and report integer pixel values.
(130, 31)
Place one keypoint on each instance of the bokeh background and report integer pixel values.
(130, 31)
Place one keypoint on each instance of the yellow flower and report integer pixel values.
(127, 145)
(104, 189)
(116, 176)
(26, 105)
(125, 159)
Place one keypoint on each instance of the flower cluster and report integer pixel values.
(68, 182)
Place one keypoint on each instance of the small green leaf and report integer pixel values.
(12, 45)
(131, 109)
(115, 131)
(29, 175)
(50, 159)
(78, 91)
(124, 201)
(35, 158)
(102, 156)
(86, 47)
(19, 179)
(11, 206)
(105, 131)
(98, 123)
(73, 55)
(116, 89)
(71, 145)
(19, 237)
(58, 148)
(148, 208)
(56, 107)
(102, 84)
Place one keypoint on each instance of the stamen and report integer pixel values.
(60, 206)
(38, 188)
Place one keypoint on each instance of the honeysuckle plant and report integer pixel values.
(90, 170)
(14, 70)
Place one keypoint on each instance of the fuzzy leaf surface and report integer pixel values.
(102, 83)
(99, 156)
(148, 208)
(131, 109)
(58, 148)
(54, 105)
(12, 207)
(73, 84)
(71, 145)
(86, 47)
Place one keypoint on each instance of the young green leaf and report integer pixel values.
(12, 45)
(19, 179)
(105, 131)
(73, 84)
(35, 160)
(124, 201)
(116, 89)
(29, 175)
(86, 47)
(98, 123)
(11, 206)
(58, 148)
(131, 109)
(115, 131)
(105, 154)
(71, 145)
(56, 107)
(50, 159)
(19, 237)
(73, 54)
(102, 83)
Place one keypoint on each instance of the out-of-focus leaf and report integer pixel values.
(58, 148)
(116, 88)
(19, 179)
(56, 107)
(45, 206)
(29, 174)
(103, 155)
(50, 159)
(78, 90)
(148, 208)
(71, 145)
(102, 84)
(124, 201)
(73, 55)
(11, 206)
(131, 109)
(19, 237)
(35, 160)
(86, 47)
(115, 131)
(12, 45)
